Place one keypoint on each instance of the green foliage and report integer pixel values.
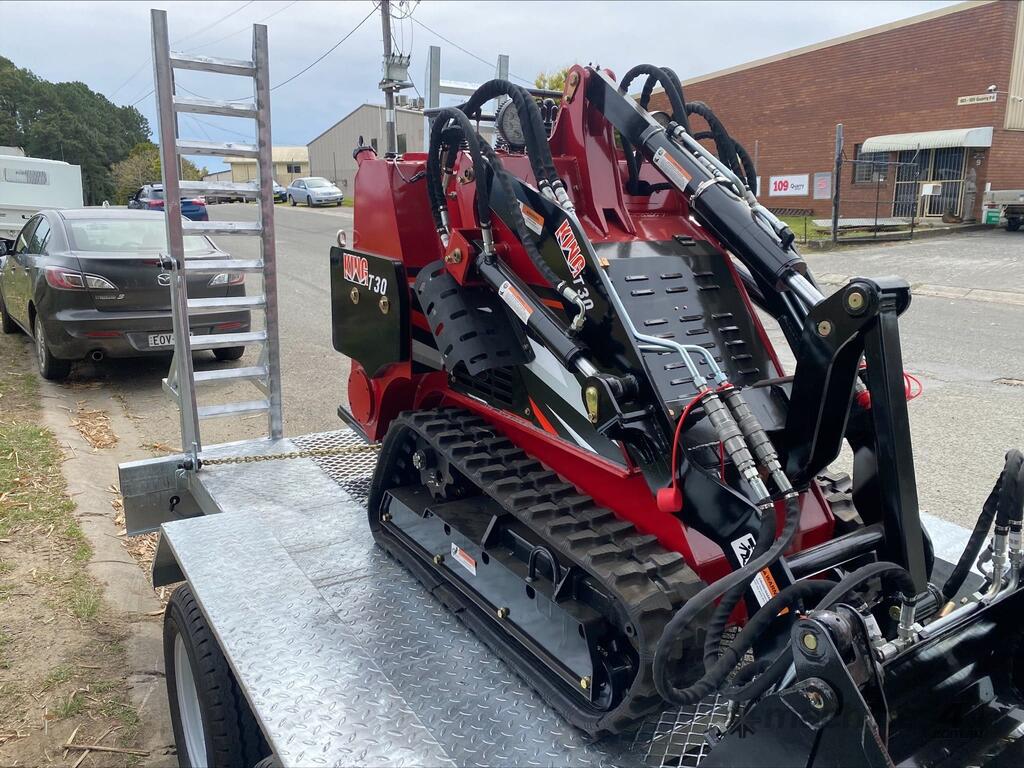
(142, 166)
(554, 81)
(68, 121)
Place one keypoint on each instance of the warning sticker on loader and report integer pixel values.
(763, 586)
(511, 296)
(464, 558)
(534, 221)
(669, 166)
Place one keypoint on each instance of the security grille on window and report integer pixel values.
(296, 168)
(867, 164)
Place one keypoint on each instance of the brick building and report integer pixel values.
(941, 93)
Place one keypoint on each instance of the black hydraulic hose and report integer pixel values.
(749, 171)
(680, 623)
(675, 97)
(674, 92)
(895, 574)
(720, 618)
(1007, 479)
(724, 144)
(503, 179)
(434, 182)
(537, 148)
(715, 676)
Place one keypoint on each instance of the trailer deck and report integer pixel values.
(344, 657)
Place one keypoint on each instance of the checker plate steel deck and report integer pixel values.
(345, 658)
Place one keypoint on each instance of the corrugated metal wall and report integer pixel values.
(330, 155)
(1015, 100)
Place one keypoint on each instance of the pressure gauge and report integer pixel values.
(509, 128)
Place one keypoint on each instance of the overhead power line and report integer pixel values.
(468, 53)
(328, 52)
(208, 27)
(244, 29)
(149, 61)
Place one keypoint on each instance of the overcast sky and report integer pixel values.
(107, 45)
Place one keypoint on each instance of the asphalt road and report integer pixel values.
(969, 354)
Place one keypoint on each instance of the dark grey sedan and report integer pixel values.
(87, 283)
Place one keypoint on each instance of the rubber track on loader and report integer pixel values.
(649, 582)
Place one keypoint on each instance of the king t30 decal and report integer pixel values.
(574, 259)
(357, 270)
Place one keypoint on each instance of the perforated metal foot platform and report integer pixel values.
(346, 659)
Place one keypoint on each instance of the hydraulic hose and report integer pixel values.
(537, 148)
(992, 509)
(680, 623)
(715, 676)
(502, 178)
(776, 669)
(434, 182)
(720, 618)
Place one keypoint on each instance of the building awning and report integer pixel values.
(955, 137)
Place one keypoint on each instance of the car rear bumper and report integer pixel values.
(200, 215)
(74, 334)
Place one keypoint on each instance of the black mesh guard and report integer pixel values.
(470, 324)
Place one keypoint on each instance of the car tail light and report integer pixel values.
(97, 283)
(156, 203)
(199, 201)
(227, 278)
(64, 279)
(69, 280)
(232, 326)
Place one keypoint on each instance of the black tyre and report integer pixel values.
(229, 353)
(213, 725)
(50, 367)
(341, 203)
(7, 324)
(268, 762)
(309, 201)
(291, 200)
(1012, 225)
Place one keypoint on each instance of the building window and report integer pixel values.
(402, 144)
(867, 164)
(293, 168)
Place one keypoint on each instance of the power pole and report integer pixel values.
(390, 133)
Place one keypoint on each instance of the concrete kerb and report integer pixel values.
(895, 237)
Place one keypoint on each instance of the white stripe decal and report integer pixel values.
(575, 435)
(545, 366)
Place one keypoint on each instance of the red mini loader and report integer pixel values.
(592, 454)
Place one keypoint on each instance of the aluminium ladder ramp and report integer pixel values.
(266, 374)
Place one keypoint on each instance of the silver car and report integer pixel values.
(313, 191)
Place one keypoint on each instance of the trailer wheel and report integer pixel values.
(213, 725)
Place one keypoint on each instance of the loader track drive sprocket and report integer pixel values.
(591, 453)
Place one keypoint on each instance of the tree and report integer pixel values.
(142, 166)
(554, 81)
(70, 122)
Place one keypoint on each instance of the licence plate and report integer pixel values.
(161, 339)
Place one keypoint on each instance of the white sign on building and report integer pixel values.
(792, 185)
(978, 98)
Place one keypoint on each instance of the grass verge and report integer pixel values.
(62, 652)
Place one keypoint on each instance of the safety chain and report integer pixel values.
(309, 453)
